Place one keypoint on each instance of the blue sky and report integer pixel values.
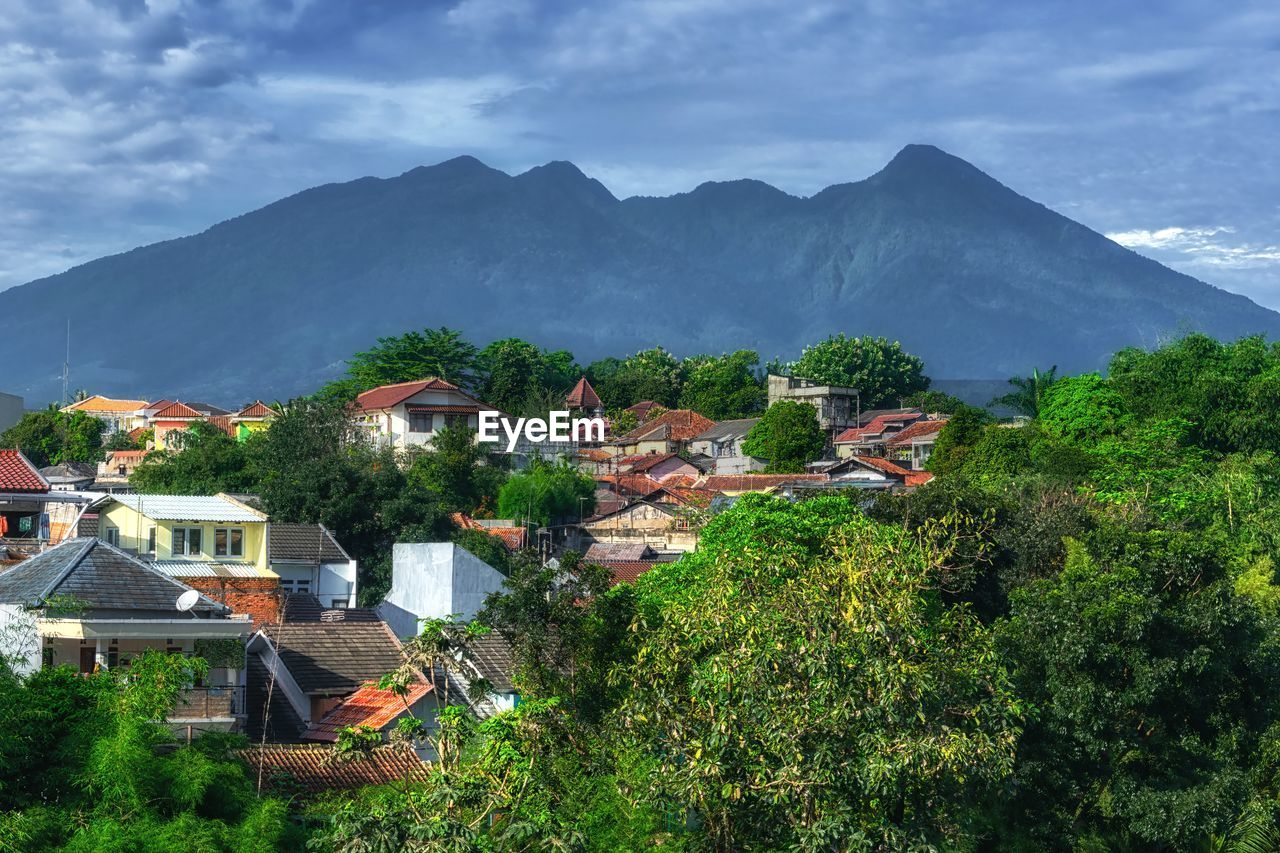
(123, 122)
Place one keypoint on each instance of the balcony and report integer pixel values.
(209, 703)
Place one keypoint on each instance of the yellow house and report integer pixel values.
(251, 419)
(188, 535)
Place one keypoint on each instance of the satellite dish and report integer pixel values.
(188, 600)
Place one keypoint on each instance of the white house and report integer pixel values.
(409, 414)
(308, 558)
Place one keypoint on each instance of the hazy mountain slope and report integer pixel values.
(977, 279)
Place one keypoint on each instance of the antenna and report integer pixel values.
(187, 600)
(66, 366)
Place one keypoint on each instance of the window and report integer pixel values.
(303, 585)
(228, 542)
(187, 541)
(112, 536)
(419, 422)
(151, 541)
(455, 421)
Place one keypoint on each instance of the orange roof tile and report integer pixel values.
(256, 409)
(17, 474)
(636, 484)
(700, 498)
(626, 571)
(583, 396)
(176, 412)
(675, 425)
(756, 482)
(876, 426)
(313, 768)
(223, 422)
(98, 403)
(369, 706)
(386, 396)
(919, 429)
(883, 465)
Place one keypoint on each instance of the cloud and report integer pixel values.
(1203, 246)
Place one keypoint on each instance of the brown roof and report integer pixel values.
(649, 460)
(98, 403)
(919, 429)
(176, 411)
(876, 427)
(642, 408)
(633, 484)
(304, 543)
(257, 409)
(583, 396)
(386, 396)
(885, 466)
(686, 496)
(675, 425)
(599, 551)
(335, 658)
(369, 706)
(756, 482)
(626, 571)
(126, 454)
(17, 474)
(223, 422)
(594, 454)
(313, 768)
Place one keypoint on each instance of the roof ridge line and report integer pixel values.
(71, 564)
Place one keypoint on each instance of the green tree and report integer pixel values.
(1028, 392)
(463, 473)
(204, 460)
(723, 387)
(442, 352)
(547, 493)
(652, 374)
(802, 699)
(513, 368)
(1083, 409)
(49, 437)
(957, 437)
(877, 367)
(788, 436)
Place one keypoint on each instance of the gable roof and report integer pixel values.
(727, 429)
(176, 412)
(304, 543)
(492, 657)
(208, 409)
(876, 426)
(387, 396)
(17, 474)
(598, 551)
(314, 768)
(212, 508)
(629, 484)
(98, 403)
(256, 409)
(642, 409)
(222, 422)
(333, 658)
(626, 571)
(649, 461)
(98, 576)
(674, 425)
(369, 706)
(583, 396)
(685, 495)
(918, 430)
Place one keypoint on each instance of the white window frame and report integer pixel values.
(227, 531)
(186, 541)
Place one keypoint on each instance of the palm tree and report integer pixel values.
(1026, 400)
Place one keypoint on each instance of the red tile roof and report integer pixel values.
(257, 409)
(126, 454)
(918, 478)
(876, 427)
(594, 454)
(626, 571)
(634, 484)
(583, 396)
(17, 474)
(98, 403)
(642, 409)
(675, 425)
(313, 768)
(369, 706)
(647, 461)
(886, 466)
(514, 538)
(919, 429)
(223, 422)
(175, 412)
(700, 498)
(756, 482)
(386, 396)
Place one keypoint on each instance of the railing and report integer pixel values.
(205, 703)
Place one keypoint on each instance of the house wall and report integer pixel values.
(333, 583)
(672, 467)
(635, 517)
(135, 529)
(259, 598)
(434, 580)
(10, 410)
(163, 428)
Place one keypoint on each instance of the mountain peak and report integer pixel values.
(564, 176)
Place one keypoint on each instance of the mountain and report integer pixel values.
(978, 280)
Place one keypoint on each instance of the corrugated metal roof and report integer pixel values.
(213, 508)
(211, 569)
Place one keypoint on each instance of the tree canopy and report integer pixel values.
(50, 437)
(788, 435)
(877, 367)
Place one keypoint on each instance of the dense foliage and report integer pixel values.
(878, 368)
(49, 437)
(788, 436)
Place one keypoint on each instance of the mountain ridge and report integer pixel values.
(979, 280)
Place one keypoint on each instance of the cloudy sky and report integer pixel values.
(123, 122)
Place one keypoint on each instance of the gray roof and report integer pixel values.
(98, 577)
(492, 656)
(618, 551)
(728, 429)
(69, 471)
(304, 543)
(333, 658)
(209, 508)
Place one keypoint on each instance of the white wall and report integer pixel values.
(435, 580)
(10, 410)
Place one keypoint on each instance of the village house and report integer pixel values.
(658, 466)
(166, 423)
(216, 544)
(32, 514)
(913, 446)
(670, 432)
(409, 414)
(70, 476)
(90, 605)
(837, 407)
(874, 432)
(253, 418)
(116, 415)
(308, 559)
(584, 400)
(114, 471)
(722, 444)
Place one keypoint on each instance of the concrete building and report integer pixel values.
(10, 410)
(435, 580)
(837, 406)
